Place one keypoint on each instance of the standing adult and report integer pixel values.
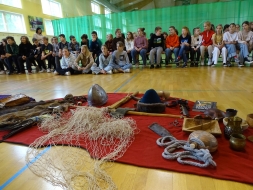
(38, 35)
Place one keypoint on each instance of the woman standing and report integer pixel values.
(38, 35)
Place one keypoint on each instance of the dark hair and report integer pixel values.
(34, 40)
(165, 33)
(233, 24)
(26, 38)
(151, 34)
(225, 27)
(193, 31)
(176, 31)
(245, 22)
(62, 35)
(84, 36)
(45, 38)
(212, 27)
(71, 37)
(157, 28)
(117, 30)
(5, 41)
(131, 35)
(10, 37)
(94, 32)
(123, 36)
(141, 29)
(120, 44)
(37, 29)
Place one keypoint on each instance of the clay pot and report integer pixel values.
(208, 139)
(250, 119)
(237, 142)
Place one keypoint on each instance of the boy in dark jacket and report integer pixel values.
(12, 54)
(95, 46)
(36, 55)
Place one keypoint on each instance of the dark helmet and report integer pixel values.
(97, 96)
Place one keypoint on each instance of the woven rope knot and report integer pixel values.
(171, 144)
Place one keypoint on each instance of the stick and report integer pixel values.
(122, 101)
(153, 114)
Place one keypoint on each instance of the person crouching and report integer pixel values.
(120, 60)
(67, 62)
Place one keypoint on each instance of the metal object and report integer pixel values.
(158, 129)
(97, 96)
(233, 126)
(237, 142)
(184, 107)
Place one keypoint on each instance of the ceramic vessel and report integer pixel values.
(237, 142)
(233, 126)
(231, 112)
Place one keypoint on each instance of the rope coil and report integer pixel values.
(171, 144)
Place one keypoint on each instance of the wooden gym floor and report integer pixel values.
(230, 87)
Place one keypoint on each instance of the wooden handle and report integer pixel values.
(122, 101)
(153, 114)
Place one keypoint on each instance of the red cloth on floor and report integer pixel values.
(231, 165)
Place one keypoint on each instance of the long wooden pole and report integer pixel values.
(153, 114)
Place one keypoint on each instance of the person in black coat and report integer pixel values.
(25, 48)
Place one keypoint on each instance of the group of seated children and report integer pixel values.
(119, 53)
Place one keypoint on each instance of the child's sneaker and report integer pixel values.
(2, 72)
(109, 72)
(56, 73)
(48, 71)
(184, 65)
(68, 73)
(127, 71)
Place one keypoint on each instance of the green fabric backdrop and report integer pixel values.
(179, 16)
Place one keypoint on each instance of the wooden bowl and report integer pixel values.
(244, 124)
(249, 119)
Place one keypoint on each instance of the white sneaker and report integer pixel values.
(42, 71)
(56, 73)
(127, 71)
(109, 72)
(48, 70)
(68, 73)
(209, 62)
(236, 59)
(2, 72)
(202, 62)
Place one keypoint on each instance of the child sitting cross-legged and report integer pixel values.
(119, 60)
(68, 60)
(104, 60)
(84, 61)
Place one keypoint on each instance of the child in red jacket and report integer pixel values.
(207, 43)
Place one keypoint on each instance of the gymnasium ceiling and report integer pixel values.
(132, 5)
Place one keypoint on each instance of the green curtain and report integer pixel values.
(191, 16)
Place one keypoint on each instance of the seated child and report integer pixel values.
(12, 54)
(74, 46)
(172, 44)
(68, 60)
(119, 60)
(47, 50)
(108, 43)
(218, 45)
(25, 48)
(85, 40)
(84, 61)
(104, 60)
(196, 40)
(36, 55)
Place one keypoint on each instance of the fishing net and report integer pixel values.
(105, 139)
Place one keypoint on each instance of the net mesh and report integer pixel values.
(191, 15)
(70, 167)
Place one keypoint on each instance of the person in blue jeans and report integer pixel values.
(12, 52)
(140, 47)
(120, 60)
(171, 44)
(185, 44)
